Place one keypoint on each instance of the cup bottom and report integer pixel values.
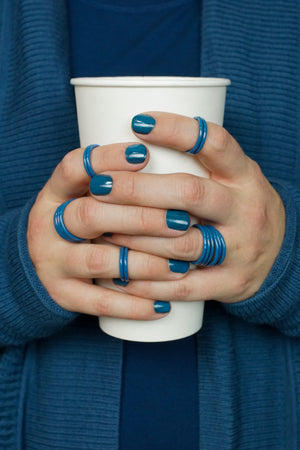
(185, 319)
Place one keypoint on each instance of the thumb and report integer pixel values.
(69, 178)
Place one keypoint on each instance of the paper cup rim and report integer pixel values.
(140, 81)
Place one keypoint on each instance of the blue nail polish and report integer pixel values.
(120, 282)
(143, 124)
(161, 307)
(178, 266)
(178, 220)
(136, 154)
(101, 184)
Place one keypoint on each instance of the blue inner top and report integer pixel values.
(159, 404)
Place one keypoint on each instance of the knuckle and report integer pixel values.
(69, 258)
(55, 291)
(184, 246)
(36, 228)
(143, 219)
(259, 217)
(256, 171)
(254, 251)
(220, 139)
(87, 212)
(148, 266)
(103, 306)
(35, 236)
(193, 190)
(67, 166)
(128, 186)
(95, 262)
(134, 312)
(142, 267)
(181, 290)
(241, 285)
(175, 129)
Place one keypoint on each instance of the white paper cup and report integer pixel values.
(105, 108)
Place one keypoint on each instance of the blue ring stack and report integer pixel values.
(214, 247)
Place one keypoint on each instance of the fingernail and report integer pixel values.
(101, 184)
(136, 154)
(107, 234)
(120, 282)
(178, 220)
(143, 124)
(161, 307)
(178, 266)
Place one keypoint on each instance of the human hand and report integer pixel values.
(237, 200)
(67, 269)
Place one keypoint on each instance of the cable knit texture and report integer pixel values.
(60, 377)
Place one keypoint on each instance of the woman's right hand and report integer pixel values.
(67, 269)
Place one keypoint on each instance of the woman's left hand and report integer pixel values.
(237, 200)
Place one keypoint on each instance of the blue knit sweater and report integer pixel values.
(248, 353)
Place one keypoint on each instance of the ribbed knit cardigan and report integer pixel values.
(54, 363)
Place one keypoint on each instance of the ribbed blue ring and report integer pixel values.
(214, 246)
(206, 246)
(211, 244)
(60, 226)
(217, 247)
(223, 251)
(123, 264)
(201, 259)
(87, 160)
(201, 136)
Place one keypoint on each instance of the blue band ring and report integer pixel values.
(87, 160)
(123, 264)
(214, 246)
(60, 226)
(201, 136)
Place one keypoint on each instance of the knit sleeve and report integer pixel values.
(26, 310)
(277, 303)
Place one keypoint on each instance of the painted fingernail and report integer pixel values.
(136, 154)
(120, 282)
(161, 307)
(178, 220)
(101, 184)
(143, 124)
(178, 266)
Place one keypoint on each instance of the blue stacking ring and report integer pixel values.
(201, 136)
(223, 249)
(201, 259)
(123, 264)
(211, 245)
(214, 246)
(60, 226)
(87, 160)
(206, 247)
(217, 247)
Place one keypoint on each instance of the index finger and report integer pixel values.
(221, 154)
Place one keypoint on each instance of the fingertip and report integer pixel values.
(143, 123)
(136, 153)
(178, 219)
(161, 307)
